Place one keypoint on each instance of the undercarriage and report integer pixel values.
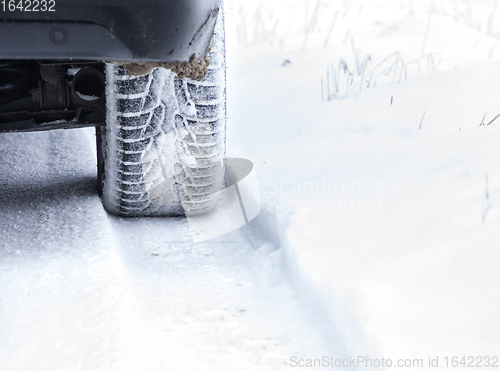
(45, 95)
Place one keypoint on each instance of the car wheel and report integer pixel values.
(161, 151)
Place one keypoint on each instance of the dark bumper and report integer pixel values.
(136, 31)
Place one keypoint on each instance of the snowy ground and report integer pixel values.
(386, 201)
(378, 234)
(83, 290)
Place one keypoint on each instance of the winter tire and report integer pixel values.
(161, 151)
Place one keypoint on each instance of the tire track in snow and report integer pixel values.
(58, 290)
(221, 305)
(80, 289)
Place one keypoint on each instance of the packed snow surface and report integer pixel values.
(379, 230)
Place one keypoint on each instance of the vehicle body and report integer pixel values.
(78, 33)
(108, 30)
(55, 57)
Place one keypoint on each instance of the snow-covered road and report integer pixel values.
(81, 289)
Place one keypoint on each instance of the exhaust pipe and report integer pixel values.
(88, 88)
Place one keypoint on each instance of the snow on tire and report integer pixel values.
(162, 149)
